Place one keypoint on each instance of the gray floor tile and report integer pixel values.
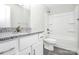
(59, 51)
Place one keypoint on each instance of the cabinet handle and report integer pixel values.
(78, 19)
(29, 53)
(6, 51)
(34, 51)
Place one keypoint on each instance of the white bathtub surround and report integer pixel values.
(63, 29)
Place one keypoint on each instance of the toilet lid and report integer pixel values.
(49, 40)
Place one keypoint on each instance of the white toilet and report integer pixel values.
(49, 44)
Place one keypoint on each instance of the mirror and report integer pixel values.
(4, 16)
(14, 15)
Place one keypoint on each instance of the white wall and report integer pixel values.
(37, 17)
(63, 28)
(19, 16)
(60, 8)
(77, 24)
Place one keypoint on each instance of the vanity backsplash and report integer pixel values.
(9, 29)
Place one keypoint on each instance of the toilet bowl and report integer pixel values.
(49, 44)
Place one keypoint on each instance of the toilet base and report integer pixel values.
(50, 48)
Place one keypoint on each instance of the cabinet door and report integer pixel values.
(26, 51)
(27, 41)
(37, 49)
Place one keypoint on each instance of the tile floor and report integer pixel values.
(59, 51)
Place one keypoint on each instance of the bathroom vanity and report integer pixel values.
(22, 44)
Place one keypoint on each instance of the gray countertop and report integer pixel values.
(11, 35)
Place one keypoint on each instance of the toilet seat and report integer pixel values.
(49, 44)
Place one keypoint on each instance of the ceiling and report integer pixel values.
(60, 8)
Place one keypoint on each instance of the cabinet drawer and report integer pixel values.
(11, 51)
(9, 47)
